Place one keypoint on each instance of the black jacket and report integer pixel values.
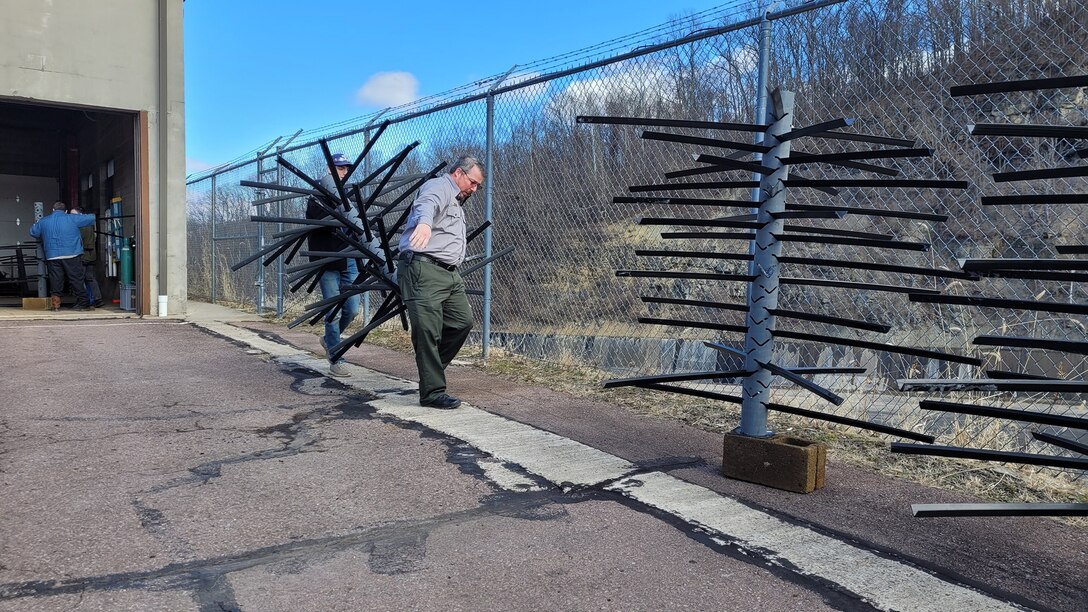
(324, 238)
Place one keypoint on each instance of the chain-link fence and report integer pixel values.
(889, 65)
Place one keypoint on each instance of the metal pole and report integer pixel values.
(763, 290)
(213, 238)
(279, 230)
(761, 96)
(763, 78)
(489, 157)
(753, 420)
(485, 331)
(260, 240)
(280, 272)
(262, 210)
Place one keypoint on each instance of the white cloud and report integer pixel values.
(386, 89)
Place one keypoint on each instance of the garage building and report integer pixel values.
(92, 111)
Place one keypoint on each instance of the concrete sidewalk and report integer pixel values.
(210, 464)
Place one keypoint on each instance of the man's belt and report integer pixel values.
(433, 260)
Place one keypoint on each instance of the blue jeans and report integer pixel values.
(331, 280)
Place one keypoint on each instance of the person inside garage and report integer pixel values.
(59, 234)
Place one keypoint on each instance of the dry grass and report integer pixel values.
(991, 482)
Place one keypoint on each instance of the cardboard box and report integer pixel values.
(36, 303)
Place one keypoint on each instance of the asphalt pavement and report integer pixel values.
(210, 463)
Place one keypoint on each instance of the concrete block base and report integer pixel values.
(35, 303)
(780, 462)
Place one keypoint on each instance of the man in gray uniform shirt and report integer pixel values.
(431, 249)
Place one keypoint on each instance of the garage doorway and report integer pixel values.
(84, 156)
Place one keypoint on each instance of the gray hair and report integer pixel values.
(467, 163)
(58, 205)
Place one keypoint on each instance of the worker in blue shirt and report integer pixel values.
(59, 233)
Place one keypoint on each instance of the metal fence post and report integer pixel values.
(489, 156)
(485, 332)
(260, 239)
(280, 271)
(279, 230)
(753, 414)
(763, 290)
(762, 79)
(213, 239)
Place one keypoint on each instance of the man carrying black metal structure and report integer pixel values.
(431, 249)
(336, 274)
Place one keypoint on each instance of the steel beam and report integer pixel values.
(817, 128)
(1032, 198)
(994, 510)
(860, 424)
(973, 265)
(989, 384)
(873, 212)
(879, 346)
(1032, 305)
(975, 89)
(706, 142)
(674, 123)
(1050, 344)
(1061, 442)
(1024, 130)
(687, 186)
(738, 329)
(1042, 173)
(682, 201)
(1012, 414)
(681, 377)
(900, 183)
(805, 238)
(959, 452)
(819, 158)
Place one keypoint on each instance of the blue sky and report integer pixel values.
(258, 69)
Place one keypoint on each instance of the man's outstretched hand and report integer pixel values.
(421, 235)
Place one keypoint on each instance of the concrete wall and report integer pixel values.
(17, 197)
(118, 55)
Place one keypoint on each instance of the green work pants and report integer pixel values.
(441, 320)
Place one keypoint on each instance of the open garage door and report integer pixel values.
(78, 156)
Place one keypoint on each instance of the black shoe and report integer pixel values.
(442, 402)
(81, 308)
(98, 304)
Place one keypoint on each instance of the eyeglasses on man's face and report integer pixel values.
(471, 180)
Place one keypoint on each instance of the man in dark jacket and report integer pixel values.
(90, 256)
(338, 273)
(59, 233)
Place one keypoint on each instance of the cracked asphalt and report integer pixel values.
(155, 465)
